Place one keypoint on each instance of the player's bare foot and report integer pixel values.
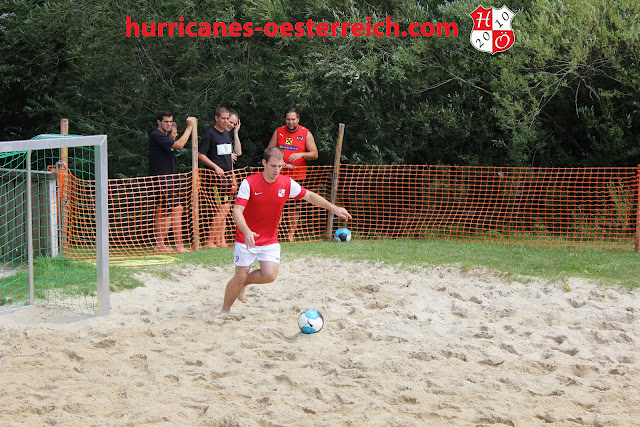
(163, 249)
(243, 296)
(182, 250)
(226, 316)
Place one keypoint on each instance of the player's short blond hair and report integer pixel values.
(272, 152)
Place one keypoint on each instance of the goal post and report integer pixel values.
(101, 217)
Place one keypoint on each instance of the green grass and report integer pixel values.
(124, 277)
(607, 268)
(55, 274)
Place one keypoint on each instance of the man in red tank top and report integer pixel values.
(259, 204)
(298, 146)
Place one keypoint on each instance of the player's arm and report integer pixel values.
(320, 201)
(182, 141)
(241, 223)
(274, 139)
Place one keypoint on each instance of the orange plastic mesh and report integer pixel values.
(575, 209)
(548, 207)
(138, 207)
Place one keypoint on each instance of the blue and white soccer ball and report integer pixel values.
(342, 235)
(310, 321)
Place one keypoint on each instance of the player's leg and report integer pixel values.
(161, 228)
(220, 229)
(173, 202)
(234, 287)
(214, 231)
(224, 191)
(176, 214)
(293, 222)
(211, 243)
(209, 206)
(269, 258)
(267, 273)
(211, 236)
(294, 216)
(161, 219)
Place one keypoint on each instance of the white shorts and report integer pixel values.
(243, 257)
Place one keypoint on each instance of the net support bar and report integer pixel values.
(102, 229)
(30, 231)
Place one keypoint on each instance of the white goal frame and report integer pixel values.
(102, 205)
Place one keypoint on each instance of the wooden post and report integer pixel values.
(195, 188)
(334, 180)
(64, 151)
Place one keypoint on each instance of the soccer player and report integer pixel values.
(257, 211)
(298, 146)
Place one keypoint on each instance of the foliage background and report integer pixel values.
(566, 94)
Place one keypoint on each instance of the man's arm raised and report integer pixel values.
(182, 141)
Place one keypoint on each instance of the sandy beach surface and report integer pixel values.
(432, 347)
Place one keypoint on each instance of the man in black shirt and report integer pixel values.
(215, 152)
(163, 164)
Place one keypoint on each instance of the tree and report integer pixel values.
(566, 93)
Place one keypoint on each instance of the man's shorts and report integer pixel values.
(169, 191)
(243, 257)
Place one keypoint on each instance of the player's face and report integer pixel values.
(165, 124)
(174, 132)
(292, 121)
(233, 121)
(222, 121)
(272, 168)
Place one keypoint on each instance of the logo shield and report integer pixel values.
(492, 30)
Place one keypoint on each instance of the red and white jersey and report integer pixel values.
(263, 204)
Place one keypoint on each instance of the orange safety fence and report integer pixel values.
(570, 208)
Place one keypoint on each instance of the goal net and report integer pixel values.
(54, 222)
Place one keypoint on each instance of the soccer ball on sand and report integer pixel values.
(310, 321)
(342, 235)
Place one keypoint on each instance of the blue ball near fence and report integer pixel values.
(342, 235)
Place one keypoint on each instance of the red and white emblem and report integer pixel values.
(492, 30)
